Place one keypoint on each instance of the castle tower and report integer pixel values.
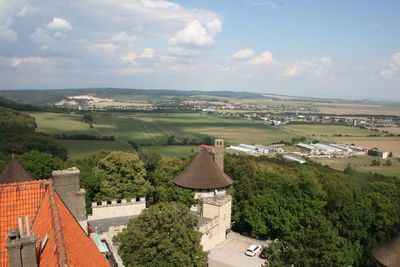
(219, 153)
(209, 183)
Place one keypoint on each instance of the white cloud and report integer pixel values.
(59, 24)
(244, 54)
(264, 3)
(18, 62)
(194, 37)
(41, 37)
(313, 67)
(8, 9)
(122, 36)
(393, 66)
(265, 58)
(101, 49)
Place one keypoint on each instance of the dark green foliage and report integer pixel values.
(163, 235)
(164, 189)
(323, 217)
(40, 164)
(122, 175)
(17, 135)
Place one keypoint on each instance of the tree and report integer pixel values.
(122, 175)
(164, 188)
(163, 235)
(40, 164)
(207, 140)
(171, 140)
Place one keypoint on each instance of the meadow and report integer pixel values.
(85, 148)
(155, 128)
(363, 164)
(59, 123)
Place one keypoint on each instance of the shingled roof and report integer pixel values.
(388, 253)
(67, 244)
(14, 172)
(203, 173)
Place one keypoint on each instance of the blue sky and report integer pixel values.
(347, 49)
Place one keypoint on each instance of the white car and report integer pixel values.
(253, 250)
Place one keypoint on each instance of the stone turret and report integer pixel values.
(219, 153)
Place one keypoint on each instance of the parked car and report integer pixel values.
(253, 250)
(264, 254)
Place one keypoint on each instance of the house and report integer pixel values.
(38, 229)
(209, 183)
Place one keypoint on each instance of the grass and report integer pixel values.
(362, 164)
(319, 130)
(85, 148)
(59, 123)
(154, 129)
(174, 151)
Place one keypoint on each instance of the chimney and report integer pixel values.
(66, 184)
(22, 246)
(219, 153)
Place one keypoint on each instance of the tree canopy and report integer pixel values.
(163, 235)
(40, 164)
(122, 175)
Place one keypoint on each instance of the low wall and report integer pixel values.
(106, 210)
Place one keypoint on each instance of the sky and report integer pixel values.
(331, 48)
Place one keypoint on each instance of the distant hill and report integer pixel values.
(52, 96)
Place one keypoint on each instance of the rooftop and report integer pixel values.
(14, 172)
(67, 245)
(202, 173)
(388, 253)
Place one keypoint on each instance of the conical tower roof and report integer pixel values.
(203, 173)
(388, 253)
(14, 172)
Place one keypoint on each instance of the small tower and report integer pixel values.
(209, 183)
(219, 153)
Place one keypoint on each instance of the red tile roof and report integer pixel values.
(17, 199)
(67, 245)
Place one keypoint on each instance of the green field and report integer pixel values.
(85, 148)
(59, 123)
(174, 151)
(362, 164)
(329, 130)
(155, 128)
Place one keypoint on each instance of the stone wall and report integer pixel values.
(114, 209)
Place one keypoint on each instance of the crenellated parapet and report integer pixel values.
(117, 208)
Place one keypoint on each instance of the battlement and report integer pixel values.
(126, 201)
(117, 208)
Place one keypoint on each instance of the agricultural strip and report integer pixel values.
(362, 164)
(85, 148)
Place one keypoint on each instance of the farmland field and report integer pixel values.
(329, 130)
(85, 148)
(58, 123)
(174, 151)
(362, 164)
(154, 129)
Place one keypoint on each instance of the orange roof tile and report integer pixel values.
(67, 242)
(17, 199)
(67, 245)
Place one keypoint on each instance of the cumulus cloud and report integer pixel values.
(41, 37)
(393, 66)
(313, 67)
(194, 37)
(59, 24)
(8, 10)
(18, 62)
(243, 54)
(122, 36)
(103, 49)
(265, 58)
